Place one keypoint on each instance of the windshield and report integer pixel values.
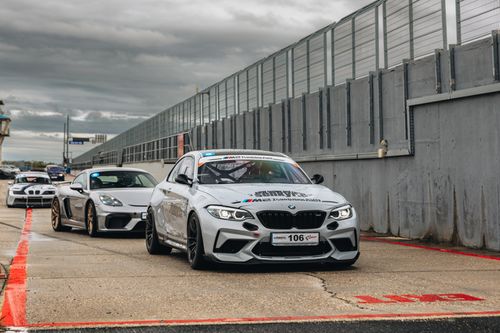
(32, 180)
(250, 171)
(55, 169)
(121, 179)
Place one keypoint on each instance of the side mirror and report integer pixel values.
(10, 183)
(183, 179)
(317, 179)
(76, 187)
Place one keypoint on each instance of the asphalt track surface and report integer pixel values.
(69, 281)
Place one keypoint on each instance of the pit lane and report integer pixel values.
(72, 280)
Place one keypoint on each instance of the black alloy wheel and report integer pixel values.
(195, 252)
(153, 244)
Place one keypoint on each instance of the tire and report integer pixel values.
(91, 220)
(153, 244)
(7, 202)
(55, 216)
(195, 251)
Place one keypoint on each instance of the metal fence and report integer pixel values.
(476, 18)
(348, 49)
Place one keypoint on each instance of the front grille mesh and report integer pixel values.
(266, 249)
(283, 220)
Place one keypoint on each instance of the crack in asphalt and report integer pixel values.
(11, 226)
(334, 294)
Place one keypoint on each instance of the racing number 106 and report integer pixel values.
(296, 238)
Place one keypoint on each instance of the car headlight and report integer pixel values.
(227, 213)
(109, 200)
(341, 213)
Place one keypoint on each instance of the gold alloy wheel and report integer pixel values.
(55, 213)
(90, 219)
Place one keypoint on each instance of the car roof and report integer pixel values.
(32, 174)
(113, 169)
(222, 152)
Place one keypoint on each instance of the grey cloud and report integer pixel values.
(134, 58)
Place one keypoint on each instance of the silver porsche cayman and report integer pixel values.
(103, 200)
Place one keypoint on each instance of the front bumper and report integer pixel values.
(230, 242)
(120, 219)
(38, 201)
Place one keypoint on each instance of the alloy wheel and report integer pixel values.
(192, 240)
(55, 213)
(149, 230)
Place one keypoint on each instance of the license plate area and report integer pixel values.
(295, 238)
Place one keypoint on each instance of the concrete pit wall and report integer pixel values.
(449, 191)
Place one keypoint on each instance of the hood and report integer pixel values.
(130, 196)
(252, 195)
(32, 187)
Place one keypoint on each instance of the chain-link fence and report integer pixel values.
(380, 35)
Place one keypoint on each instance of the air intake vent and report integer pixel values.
(344, 244)
(307, 219)
(266, 249)
(232, 246)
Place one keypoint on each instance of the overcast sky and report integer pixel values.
(111, 64)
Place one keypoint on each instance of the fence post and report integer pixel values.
(384, 29)
(348, 113)
(372, 111)
(270, 125)
(380, 106)
(444, 23)
(304, 122)
(406, 92)
(452, 67)
(458, 22)
(320, 114)
(410, 26)
(496, 55)
(353, 48)
(333, 55)
(437, 68)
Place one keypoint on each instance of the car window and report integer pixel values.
(188, 167)
(55, 169)
(121, 179)
(175, 171)
(146, 180)
(81, 179)
(32, 180)
(250, 171)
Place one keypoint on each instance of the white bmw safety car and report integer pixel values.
(247, 206)
(30, 189)
(103, 200)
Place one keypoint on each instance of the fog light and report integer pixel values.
(144, 216)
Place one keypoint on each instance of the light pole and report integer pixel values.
(66, 142)
(4, 128)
